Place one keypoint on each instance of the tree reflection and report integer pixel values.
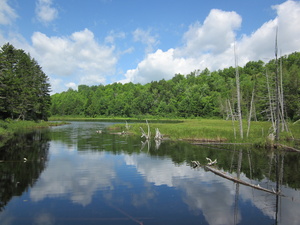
(18, 174)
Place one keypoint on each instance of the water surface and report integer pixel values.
(74, 175)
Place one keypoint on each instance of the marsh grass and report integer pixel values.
(212, 130)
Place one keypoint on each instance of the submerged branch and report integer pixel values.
(236, 180)
(197, 164)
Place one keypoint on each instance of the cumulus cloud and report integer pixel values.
(7, 14)
(210, 45)
(45, 12)
(77, 55)
(214, 36)
(159, 65)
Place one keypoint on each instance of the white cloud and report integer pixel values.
(45, 12)
(7, 14)
(159, 65)
(72, 85)
(146, 38)
(210, 45)
(215, 35)
(113, 36)
(261, 43)
(77, 55)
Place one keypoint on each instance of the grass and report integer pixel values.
(197, 130)
(213, 130)
(9, 127)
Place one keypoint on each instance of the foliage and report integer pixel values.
(24, 87)
(203, 94)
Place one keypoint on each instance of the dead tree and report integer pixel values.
(158, 135)
(277, 90)
(147, 136)
(237, 78)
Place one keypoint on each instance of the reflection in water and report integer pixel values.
(99, 178)
(22, 160)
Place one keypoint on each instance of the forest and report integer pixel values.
(24, 87)
(202, 93)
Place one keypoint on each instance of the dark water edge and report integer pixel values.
(73, 175)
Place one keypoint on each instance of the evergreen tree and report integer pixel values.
(24, 87)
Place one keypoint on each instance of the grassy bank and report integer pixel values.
(9, 127)
(198, 130)
(213, 130)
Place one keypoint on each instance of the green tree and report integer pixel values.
(24, 87)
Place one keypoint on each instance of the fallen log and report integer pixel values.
(287, 148)
(217, 172)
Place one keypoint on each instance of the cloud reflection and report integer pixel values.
(77, 176)
(207, 193)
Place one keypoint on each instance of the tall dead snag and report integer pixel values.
(238, 92)
(270, 102)
(277, 90)
(250, 111)
(232, 118)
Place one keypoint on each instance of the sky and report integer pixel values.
(95, 42)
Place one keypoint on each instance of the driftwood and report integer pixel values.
(287, 148)
(236, 180)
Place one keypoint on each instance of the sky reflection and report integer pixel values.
(82, 184)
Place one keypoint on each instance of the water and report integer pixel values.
(74, 175)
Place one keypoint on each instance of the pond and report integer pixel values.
(73, 175)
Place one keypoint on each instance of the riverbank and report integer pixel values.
(9, 127)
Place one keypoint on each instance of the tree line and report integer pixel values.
(24, 87)
(198, 94)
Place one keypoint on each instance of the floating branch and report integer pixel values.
(236, 180)
(287, 148)
(197, 164)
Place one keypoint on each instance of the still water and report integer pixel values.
(74, 175)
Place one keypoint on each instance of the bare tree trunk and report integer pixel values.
(232, 119)
(147, 136)
(281, 97)
(270, 101)
(277, 90)
(250, 113)
(237, 77)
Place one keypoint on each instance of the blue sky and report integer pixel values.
(96, 42)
